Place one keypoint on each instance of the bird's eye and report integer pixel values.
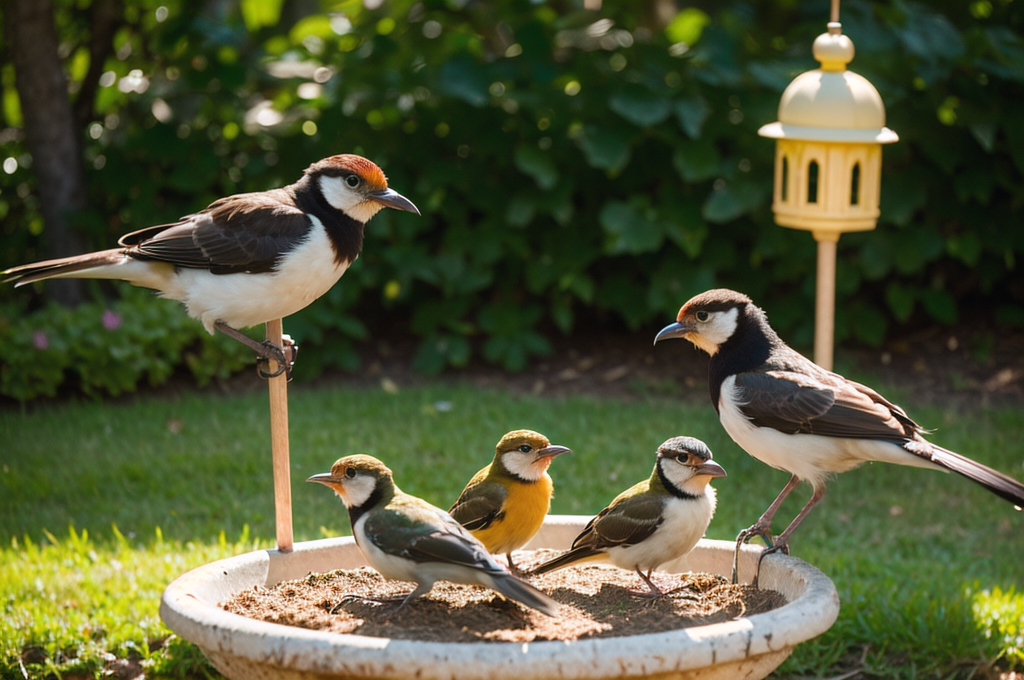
(703, 316)
(683, 458)
(525, 448)
(352, 181)
(350, 473)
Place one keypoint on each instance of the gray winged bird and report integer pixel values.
(654, 521)
(407, 539)
(793, 415)
(248, 258)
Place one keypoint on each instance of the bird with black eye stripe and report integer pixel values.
(793, 415)
(505, 503)
(652, 522)
(249, 258)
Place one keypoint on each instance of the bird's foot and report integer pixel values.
(283, 356)
(376, 601)
(778, 547)
(758, 529)
(266, 351)
(516, 571)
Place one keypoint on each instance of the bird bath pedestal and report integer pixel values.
(243, 648)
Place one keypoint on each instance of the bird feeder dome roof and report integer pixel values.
(831, 104)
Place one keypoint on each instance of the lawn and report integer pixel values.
(103, 503)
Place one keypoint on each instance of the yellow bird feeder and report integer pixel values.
(828, 162)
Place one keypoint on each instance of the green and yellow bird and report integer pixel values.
(505, 503)
(407, 539)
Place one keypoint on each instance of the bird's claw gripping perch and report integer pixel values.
(266, 351)
(757, 529)
(777, 548)
(284, 357)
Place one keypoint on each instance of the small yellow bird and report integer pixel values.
(505, 503)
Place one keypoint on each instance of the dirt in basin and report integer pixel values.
(596, 601)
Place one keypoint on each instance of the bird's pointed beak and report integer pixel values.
(673, 330)
(710, 469)
(325, 478)
(552, 450)
(393, 199)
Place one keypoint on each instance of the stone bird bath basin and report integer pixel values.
(243, 648)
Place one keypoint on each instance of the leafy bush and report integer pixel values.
(109, 350)
(569, 164)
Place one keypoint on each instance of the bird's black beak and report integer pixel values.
(552, 450)
(325, 478)
(710, 469)
(393, 199)
(673, 330)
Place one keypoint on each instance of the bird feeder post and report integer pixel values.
(278, 388)
(825, 299)
(828, 162)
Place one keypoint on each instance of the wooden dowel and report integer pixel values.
(825, 303)
(278, 388)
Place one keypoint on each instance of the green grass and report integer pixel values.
(103, 503)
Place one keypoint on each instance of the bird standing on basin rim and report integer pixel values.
(654, 521)
(248, 258)
(505, 503)
(407, 539)
(793, 415)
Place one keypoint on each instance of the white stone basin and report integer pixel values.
(247, 649)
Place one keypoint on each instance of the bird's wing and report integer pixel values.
(630, 519)
(242, 233)
(479, 505)
(793, 402)
(424, 533)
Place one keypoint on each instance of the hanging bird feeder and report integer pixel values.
(828, 162)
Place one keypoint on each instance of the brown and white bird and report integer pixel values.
(793, 415)
(248, 258)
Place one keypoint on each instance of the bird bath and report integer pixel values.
(240, 647)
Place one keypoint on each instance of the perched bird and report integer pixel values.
(793, 415)
(505, 503)
(248, 258)
(654, 521)
(407, 539)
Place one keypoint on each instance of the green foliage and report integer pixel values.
(568, 163)
(108, 349)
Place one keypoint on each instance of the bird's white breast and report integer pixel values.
(812, 458)
(243, 300)
(685, 521)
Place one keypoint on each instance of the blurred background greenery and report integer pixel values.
(575, 167)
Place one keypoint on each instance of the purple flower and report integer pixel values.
(111, 319)
(40, 340)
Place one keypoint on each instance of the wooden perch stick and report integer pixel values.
(825, 306)
(278, 387)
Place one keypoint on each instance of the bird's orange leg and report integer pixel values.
(763, 526)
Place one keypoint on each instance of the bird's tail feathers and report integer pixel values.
(567, 559)
(522, 592)
(998, 483)
(88, 266)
